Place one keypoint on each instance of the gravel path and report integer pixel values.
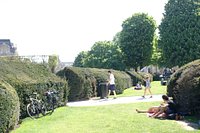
(118, 100)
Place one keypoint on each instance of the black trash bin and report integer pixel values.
(103, 90)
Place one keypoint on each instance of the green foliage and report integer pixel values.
(53, 62)
(184, 87)
(80, 59)
(136, 40)
(122, 81)
(136, 77)
(80, 81)
(9, 107)
(27, 77)
(116, 39)
(179, 32)
(103, 54)
(84, 82)
(156, 55)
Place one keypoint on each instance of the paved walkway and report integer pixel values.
(118, 100)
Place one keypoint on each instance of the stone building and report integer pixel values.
(7, 48)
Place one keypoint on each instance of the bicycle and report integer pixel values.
(36, 106)
(51, 100)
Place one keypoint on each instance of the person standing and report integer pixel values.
(147, 86)
(111, 83)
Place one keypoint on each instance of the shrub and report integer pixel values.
(27, 77)
(84, 82)
(138, 77)
(123, 81)
(135, 77)
(9, 107)
(81, 83)
(52, 62)
(184, 87)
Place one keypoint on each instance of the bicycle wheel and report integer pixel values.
(43, 109)
(50, 108)
(32, 111)
(53, 103)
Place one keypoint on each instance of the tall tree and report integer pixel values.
(156, 54)
(180, 32)
(80, 59)
(136, 39)
(104, 54)
(53, 62)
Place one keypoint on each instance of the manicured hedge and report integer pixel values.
(184, 87)
(27, 77)
(84, 82)
(9, 107)
(138, 76)
(25, 90)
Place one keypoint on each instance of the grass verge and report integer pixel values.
(156, 88)
(121, 118)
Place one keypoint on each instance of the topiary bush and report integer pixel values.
(53, 62)
(184, 87)
(81, 82)
(9, 107)
(84, 82)
(122, 81)
(135, 77)
(138, 77)
(27, 77)
(25, 90)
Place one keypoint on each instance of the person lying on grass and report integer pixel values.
(162, 111)
(138, 86)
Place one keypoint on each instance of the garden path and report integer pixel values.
(118, 100)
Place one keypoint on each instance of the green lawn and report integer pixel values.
(156, 88)
(120, 118)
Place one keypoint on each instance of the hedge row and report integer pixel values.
(138, 77)
(9, 107)
(84, 82)
(27, 77)
(25, 90)
(184, 87)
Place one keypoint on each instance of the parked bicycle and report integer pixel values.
(36, 106)
(44, 106)
(51, 100)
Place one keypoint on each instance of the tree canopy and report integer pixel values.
(79, 60)
(180, 32)
(136, 39)
(103, 54)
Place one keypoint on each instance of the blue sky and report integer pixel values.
(67, 27)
